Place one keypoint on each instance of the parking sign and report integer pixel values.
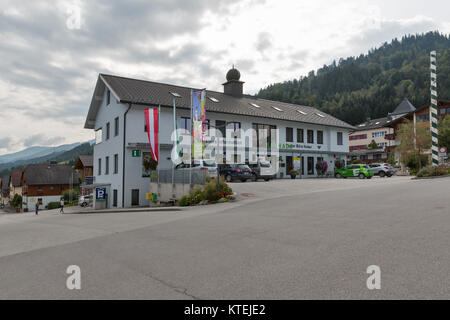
(100, 193)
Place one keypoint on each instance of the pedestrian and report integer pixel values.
(325, 167)
(62, 206)
(37, 207)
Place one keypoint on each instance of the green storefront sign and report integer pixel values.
(136, 153)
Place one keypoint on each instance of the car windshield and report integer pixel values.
(209, 164)
(264, 164)
(366, 167)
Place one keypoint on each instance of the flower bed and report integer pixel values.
(431, 171)
(207, 194)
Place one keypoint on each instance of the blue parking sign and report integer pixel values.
(100, 193)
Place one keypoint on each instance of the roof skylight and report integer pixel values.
(378, 122)
(276, 108)
(302, 112)
(175, 94)
(320, 115)
(213, 99)
(254, 105)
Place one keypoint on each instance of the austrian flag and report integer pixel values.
(151, 119)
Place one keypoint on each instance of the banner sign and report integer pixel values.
(198, 122)
(151, 119)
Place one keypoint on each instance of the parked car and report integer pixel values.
(211, 167)
(85, 200)
(262, 170)
(233, 172)
(382, 169)
(354, 170)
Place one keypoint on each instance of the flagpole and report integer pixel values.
(176, 145)
(190, 157)
(159, 153)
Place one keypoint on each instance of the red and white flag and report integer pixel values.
(151, 119)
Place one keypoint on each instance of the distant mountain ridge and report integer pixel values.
(67, 154)
(373, 84)
(37, 151)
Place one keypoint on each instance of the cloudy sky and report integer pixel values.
(52, 51)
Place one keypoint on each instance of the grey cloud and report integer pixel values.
(263, 42)
(40, 139)
(5, 142)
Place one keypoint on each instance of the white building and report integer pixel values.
(116, 114)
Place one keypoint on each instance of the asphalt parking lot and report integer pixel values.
(284, 239)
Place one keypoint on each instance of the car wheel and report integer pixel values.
(338, 176)
(266, 180)
(361, 176)
(228, 178)
(370, 177)
(382, 174)
(254, 178)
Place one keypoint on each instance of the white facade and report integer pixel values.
(134, 125)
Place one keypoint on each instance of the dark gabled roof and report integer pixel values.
(134, 91)
(16, 177)
(84, 161)
(44, 174)
(404, 107)
(373, 124)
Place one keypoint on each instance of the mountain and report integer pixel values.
(35, 152)
(372, 84)
(61, 155)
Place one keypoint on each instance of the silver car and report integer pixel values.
(382, 169)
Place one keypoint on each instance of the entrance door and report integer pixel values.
(135, 197)
(289, 164)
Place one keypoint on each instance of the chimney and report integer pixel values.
(233, 86)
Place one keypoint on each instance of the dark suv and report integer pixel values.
(233, 172)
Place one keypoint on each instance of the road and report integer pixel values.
(290, 239)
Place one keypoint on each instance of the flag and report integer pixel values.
(176, 152)
(199, 117)
(151, 119)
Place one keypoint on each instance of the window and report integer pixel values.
(310, 165)
(135, 197)
(220, 126)
(185, 123)
(206, 127)
(302, 112)
(379, 134)
(377, 156)
(310, 136)
(115, 198)
(255, 105)
(116, 126)
(340, 141)
(424, 117)
(319, 137)
(98, 136)
(300, 137)
(442, 111)
(107, 165)
(213, 99)
(235, 128)
(363, 157)
(99, 166)
(108, 97)
(116, 163)
(289, 135)
(262, 136)
(107, 130)
(320, 115)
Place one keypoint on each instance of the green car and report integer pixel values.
(354, 170)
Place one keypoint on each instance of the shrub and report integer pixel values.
(66, 194)
(16, 202)
(432, 171)
(413, 162)
(53, 205)
(209, 192)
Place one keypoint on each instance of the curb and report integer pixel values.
(127, 210)
(433, 177)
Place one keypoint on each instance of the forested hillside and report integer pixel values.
(373, 84)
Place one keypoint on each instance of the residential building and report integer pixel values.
(15, 185)
(46, 183)
(420, 114)
(5, 189)
(85, 168)
(118, 103)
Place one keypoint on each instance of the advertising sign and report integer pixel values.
(198, 120)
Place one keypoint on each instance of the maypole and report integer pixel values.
(433, 110)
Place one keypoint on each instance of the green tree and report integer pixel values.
(372, 145)
(16, 202)
(413, 142)
(444, 133)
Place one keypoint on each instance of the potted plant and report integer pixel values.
(293, 173)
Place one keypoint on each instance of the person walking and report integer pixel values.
(37, 207)
(62, 206)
